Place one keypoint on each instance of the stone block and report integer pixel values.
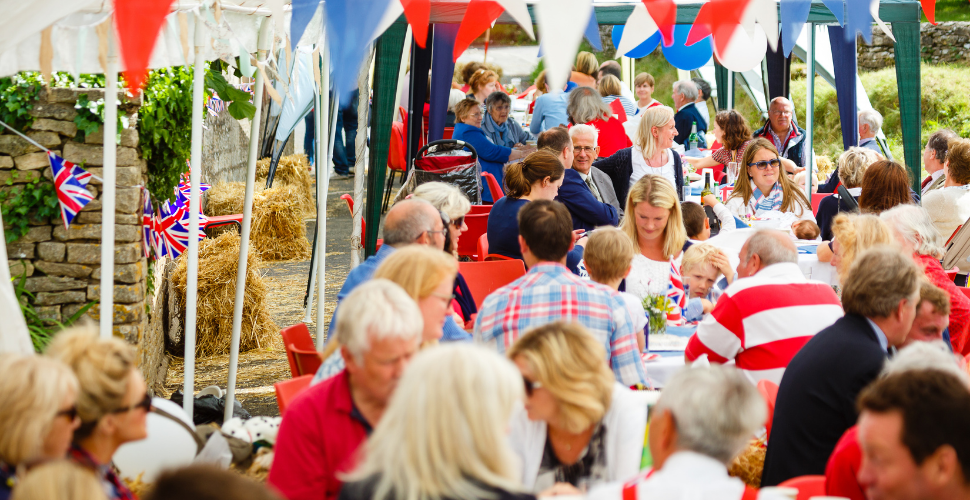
(55, 298)
(123, 233)
(61, 94)
(51, 251)
(19, 176)
(54, 284)
(57, 110)
(94, 155)
(50, 315)
(96, 137)
(124, 273)
(129, 137)
(95, 217)
(123, 294)
(132, 333)
(127, 200)
(46, 138)
(33, 161)
(123, 313)
(20, 267)
(20, 250)
(68, 129)
(59, 269)
(37, 234)
(6, 162)
(90, 253)
(124, 176)
(15, 146)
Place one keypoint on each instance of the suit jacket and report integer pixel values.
(937, 184)
(619, 168)
(817, 396)
(605, 186)
(586, 210)
(683, 120)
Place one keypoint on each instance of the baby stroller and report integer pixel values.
(446, 161)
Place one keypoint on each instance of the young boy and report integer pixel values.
(700, 267)
(695, 221)
(608, 258)
(805, 230)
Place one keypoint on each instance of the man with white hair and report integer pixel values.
(687, 115)
(588, 212)
(703, 419)
(585, 151)
(379, 328)
(870, 121)
(788, 138)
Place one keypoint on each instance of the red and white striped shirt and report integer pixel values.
(762, 321)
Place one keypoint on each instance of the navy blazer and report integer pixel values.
(619, 167)
(503, 232)
(684, 119)
(587, 212)
(817, 396)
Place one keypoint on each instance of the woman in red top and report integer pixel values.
(586, 106)
(914, 230)
(731, 130)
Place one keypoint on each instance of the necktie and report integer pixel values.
(592, 187)
(926, 181)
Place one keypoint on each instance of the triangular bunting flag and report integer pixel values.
(70, 193)
(138, 24)
(592, 34)
(561, 29)
(303, 11)
(479, 16)
(638, 27)
(718, 18)
(858, 20)
(418, 14)
(838, 8)
(929, 8)
(351, 26)
(664, 14)
(147, 224)
(794, 15)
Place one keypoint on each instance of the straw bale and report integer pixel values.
(279, 232)
(216, 295)
(292, 170)
(749, 465)
(226, 198)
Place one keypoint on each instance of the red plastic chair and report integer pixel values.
(449, 131)
(480, 209)
(816, 199)
(363, 224)
(485, 277)
(493, 186)
(298, 337)
(288, 390)
(769, 391)
(307, 361)
(483, 255)
(396, 161)
(808, 486)
(468, 242)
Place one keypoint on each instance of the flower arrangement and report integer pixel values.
(657, 307)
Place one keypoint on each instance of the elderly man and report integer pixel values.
(934, 157)
(762, 321)
(585, 152)
(912, 430)
(932, 315)
(870, 121)
(550, 292)
(704, 417)
(379, 329)
(816, 398)
(788, 138)
(687, 115)
(587, 211)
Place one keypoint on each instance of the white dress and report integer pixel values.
(648, 277)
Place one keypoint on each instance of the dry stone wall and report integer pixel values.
(947, 42)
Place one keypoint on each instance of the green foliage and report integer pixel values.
(90, 116)
(239, 107)
(35, 200)
(17, 95)
(41, 330)
(951, 10)
(165, 127)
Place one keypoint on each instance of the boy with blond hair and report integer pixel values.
(700, 267)
(608, 257)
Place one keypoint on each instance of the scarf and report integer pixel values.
(114, 487)
(502, 136)
(762, 203)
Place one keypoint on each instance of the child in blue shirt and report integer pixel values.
(700, 267)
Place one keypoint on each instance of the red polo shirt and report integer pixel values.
(318, 438)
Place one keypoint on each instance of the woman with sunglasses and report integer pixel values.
(579, 426)
(38, 414)
(762, 188)
(113, 402)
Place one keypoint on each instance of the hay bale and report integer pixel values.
(279, 232)
(292, 170)
(226, 198)
(750, 463)
(218, 260)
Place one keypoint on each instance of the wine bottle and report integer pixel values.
(708, 187)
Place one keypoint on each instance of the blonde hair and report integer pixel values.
(857, 233)
(657, 116)
(609, 85)
(853, 163)
(445, 436)
(60, 479)
(445, 197)
(696, 255)
(540, 84)
(657, 192)
(481, 78)
(568, 361)
(32, 389)
(418, 269)
(103, 368)
(790, 194)
(608, 254)
(643, 78)
(465, 107)
(587, 64)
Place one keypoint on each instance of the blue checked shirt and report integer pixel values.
(550, 292)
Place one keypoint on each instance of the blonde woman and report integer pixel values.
(443, 435)
(584, 73)
(113, 402)
(427, 275)
(852, 167)
(644, 86)
(651, 155)
(655, 225)
(61, 480)
(586, 106)
(852, 235)
(610, 88)
(579, 426)
(38, 414)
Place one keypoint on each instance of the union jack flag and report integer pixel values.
(147, 224)
(173, 229)
(675, 293)
(70, 191)
(82, 176)
(183, 191)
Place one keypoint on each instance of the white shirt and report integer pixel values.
(640, 167)
(705, 113)
(647, 277)
(634, 306)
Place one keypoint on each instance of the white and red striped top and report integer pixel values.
(762, 321)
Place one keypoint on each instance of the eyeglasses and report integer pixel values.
(762, 165)
(458, 222)
(70, 413)
(446, 298)
(580, 149)
(442, 232)
(530, 386)
(144, 404)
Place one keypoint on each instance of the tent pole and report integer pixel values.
(192, 274)
(323, 182)
(108, 187)
(907, 55)
(810, 113)
(262, 45)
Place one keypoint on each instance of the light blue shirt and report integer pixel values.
(550, 111)
(880, 336)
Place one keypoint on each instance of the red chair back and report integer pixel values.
(449, 131)
(955, 231)
(468, 242)
(816, 199)
(485, 277)
(480, 209)
(307, 361)
(618, 112)
(297, 336)
(363, 224)
(493, 186)
(808, 486)
(483, 254)
(769, 391)
(287, 390)
(395, 157)
(966, 291)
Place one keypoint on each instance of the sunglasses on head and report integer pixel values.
(70, 413)
(762, 165)
(144, 404)
(530, 386)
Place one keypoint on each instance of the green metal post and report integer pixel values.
(387, 62)
(722, 80)
(908, 81)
